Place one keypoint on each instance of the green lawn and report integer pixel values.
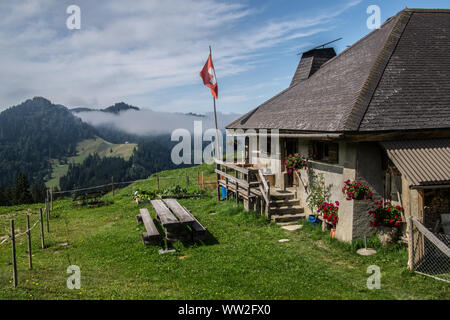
(241, 260)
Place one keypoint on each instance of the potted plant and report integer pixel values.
(319, 193)
(295, 162)
(387, 219)
(355, 190)
(329, 212)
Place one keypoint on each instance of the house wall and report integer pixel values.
(357, 161)
(332, 173)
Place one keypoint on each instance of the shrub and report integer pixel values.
(387, 215)
(329, 212)
(356, 190)
(174, 190)
(142, 195)
(318, 191)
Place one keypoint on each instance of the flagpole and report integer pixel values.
(215, 113)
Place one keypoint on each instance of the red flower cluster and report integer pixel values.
(330, 212)
(295, 162)
(356, 190)
(387, 215)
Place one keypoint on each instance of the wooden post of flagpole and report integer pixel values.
(215, 113)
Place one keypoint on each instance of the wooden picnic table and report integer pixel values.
(179, 223)
(181, 213)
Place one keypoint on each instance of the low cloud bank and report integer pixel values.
(148, 122)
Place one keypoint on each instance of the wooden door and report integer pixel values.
(290, 148)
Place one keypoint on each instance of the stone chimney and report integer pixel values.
(310, 62)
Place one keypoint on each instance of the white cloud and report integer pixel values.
(148, 122)
(132, 49)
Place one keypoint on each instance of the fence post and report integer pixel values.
(410, 244)
(157, 178)
(187, 179)
(47, 215)
(14, 261)
(203, 181)
(51, 197)
(112, 185)
(42, 229)
(30, 258)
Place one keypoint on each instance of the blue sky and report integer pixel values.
(149, 53)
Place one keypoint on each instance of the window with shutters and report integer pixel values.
(324, 151)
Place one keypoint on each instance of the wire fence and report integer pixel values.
(157, 181)
(6, 238)
(429, 252)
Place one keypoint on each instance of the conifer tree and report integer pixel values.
(21, 192)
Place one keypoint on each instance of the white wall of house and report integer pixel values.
(356, 161)
(334, 176)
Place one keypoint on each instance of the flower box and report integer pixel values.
(355, 190)
(295, 162)
(329, 212)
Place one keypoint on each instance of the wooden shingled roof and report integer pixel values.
(395, 78)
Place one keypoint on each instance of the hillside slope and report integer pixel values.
(34, 132)
(84, 148)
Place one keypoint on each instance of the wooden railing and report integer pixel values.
(243, 181)
(265, 191)
(300, 180)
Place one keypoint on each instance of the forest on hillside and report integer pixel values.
(37, 131)
(152, 155)
(34, 132)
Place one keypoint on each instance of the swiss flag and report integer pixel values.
(208, 75)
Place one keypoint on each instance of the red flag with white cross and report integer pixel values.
(208, 75)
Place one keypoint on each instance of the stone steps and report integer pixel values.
(282, 196)
(284, 202)
(287, 210)
(287, 217)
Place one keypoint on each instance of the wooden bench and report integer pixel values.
(152, 235)
(86, 196)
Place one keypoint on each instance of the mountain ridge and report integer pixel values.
(115, 109)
